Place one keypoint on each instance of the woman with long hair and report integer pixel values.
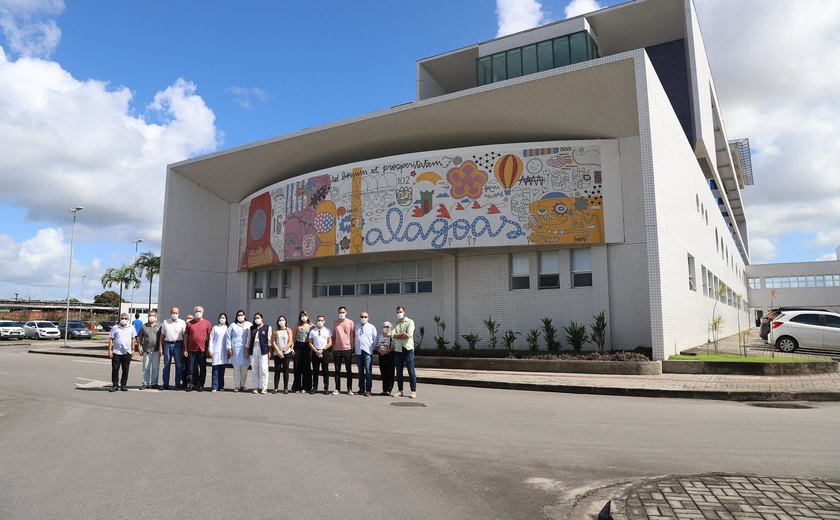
(259, 344)
(282, 350)
(302, 381)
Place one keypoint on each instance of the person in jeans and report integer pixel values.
(365, 343)
(150, 346)
(236, 345)
(281, 348)
(320, 341)
(172, 338)
(120, 349)
(404, 351)
(342, 331)
(218, 351)
(196, 337)
(385, 349)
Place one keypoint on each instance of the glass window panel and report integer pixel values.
(392, 288)
(514, 63)
(484, 75)
(520, 282)
(409, 287)
(832, 321)
(561, 52)
(549, 262)
(349, 274)
(334, 290)
(581, 260)
(424, 287)
(273, 278)
(322, 274)
(499, 67)
(335, 273)
(545, 56)
(320, 290)
(424, 269)
(820, 280)
(582, 280)
(348, 290)
(549, 281)
(810, 319)
(377, 272)
(519, 263)
(363, 288)
(273, 292)
(363, 272)
(811, 281)
(529, 59)
(393, 271)
(377, 288)
(577, 44)
(409, 270)
(801, 282)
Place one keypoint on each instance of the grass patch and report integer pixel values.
(741, 359)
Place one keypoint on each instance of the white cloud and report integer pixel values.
(762, 250)
(243, 95)
(577, 7)
(827, 257)
(774, 68)
(31, 268)
(29, 27)
(518, 15)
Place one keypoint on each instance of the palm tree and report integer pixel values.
(124, 276)
(148, 265)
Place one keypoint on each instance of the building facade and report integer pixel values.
(795, 284)
(575, 168)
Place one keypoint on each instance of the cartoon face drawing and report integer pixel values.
(550, 219)
(560, 180)
(325, 224)
(405, 196)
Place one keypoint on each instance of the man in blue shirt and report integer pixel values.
(138, 323)
(121, 343)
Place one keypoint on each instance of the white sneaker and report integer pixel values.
(413, 395)
(399, 394)
(334, 392)
(255, 391)
(350, 392)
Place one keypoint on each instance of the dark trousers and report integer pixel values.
(320, 365)
(303, 368)
(120, 361)
(386, 370)
(345, 357)
(282, 365)
(218, 377)
(198, 370)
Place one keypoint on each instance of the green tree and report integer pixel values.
(124, 276)
(148, 266)
(107, 299)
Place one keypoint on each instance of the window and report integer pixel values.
(545, 56)
(578, 45)
(273, 286)
(755, 283)
(529, 59)
(499, 67)
(514, 63)
(832, 321)
(692, 284)
(549, 270)
(582, 267)
(807, 319)
(257, 285)
(520, 277)
(287, 284)
(705, 280)
(409, 277)
(561, 52)
(485, 76)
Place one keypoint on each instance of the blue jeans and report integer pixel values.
(173, 349)
(405, 357)
(218, 377)
(364, 362)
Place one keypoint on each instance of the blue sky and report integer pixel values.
(133, 86)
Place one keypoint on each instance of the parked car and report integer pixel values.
(809, 329)
(106, 325)
(10, 330)
(41, 330)
(77, 330)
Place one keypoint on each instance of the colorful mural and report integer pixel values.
(513, 194)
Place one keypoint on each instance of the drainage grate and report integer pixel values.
(776, 404)
(408, 403)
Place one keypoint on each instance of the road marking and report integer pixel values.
(92, 383)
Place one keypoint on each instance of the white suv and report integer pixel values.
(809, 329)
(10, 330)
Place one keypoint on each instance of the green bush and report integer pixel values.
(533, 340)
(550, 335)
(599, 331)
(493, 328)
(509, 337)
(472, 339)
(576, 335)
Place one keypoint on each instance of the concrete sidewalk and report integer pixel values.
(813, 387)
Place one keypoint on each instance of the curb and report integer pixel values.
(579, 389)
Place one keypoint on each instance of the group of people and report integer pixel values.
(242, 343)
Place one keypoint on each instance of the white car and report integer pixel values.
(41, 330)
(808, 329)
(10, 330)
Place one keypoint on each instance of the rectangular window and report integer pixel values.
(692, 284)
(705, 281)
(520, 276)
(287, 283)
(273, 285)
(499, 67)
(582, 267)
(258, 285)
(485, 76)
(549, 277)
(545, 56)
(408, 277)
(514, 63)
(529, 59)
(578, 45)
(424, 287)
(820, 280)
(561, 52)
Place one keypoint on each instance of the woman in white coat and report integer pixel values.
(236, 344)
(218, 350)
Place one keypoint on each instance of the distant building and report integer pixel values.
(795, 284)
(575, 168)
(26, 310)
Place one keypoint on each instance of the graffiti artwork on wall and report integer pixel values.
(514, 194)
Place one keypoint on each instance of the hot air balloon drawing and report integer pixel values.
(508, 170)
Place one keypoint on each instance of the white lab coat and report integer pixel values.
(218, 346)
(236, 340)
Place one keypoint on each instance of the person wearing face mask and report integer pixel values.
(385, 349)
(281, 347)
(302, 381)
(218, 351)
(150, 346)
(259, 344)
(120, 350)
(404, 351)
(365, 343)
(196, 337)
(236, 345)
(342, 332)
(320, 341)
(172, 339)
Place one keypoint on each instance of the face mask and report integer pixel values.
(342, 315)
(174, 316)
(258, 321)
(400, 315)
(123, 322)
(222, 321)
(152, 319)
(281, 324)
(304, 319)
(198, 315)
(320, 323)
(363, 320)
(240, 318)
(386, 330)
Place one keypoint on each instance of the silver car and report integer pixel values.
(807, 329)
(11, 330)
(41, 330)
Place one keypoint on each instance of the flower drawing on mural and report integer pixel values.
(466, 180)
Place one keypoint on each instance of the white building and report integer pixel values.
(578, 167)
(794, 284)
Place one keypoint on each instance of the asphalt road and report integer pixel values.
(70, 449)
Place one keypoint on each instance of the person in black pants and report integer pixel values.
(385, 349)
(281, 348)
(121, 345)
(320, 341)
(303, 369)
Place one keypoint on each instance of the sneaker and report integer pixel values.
(142, 387)
(255, 391)
(327, 392)
(113, 389)
(334, 392)
(399, 393)
(350, 392)
(235, 389)
(413, 395)
(274, 391)
(213, 391)
(263, 390)
(285, 392)
(367, 394)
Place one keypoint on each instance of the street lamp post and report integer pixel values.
(136, 243)
(69, 271)
(81, 291)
